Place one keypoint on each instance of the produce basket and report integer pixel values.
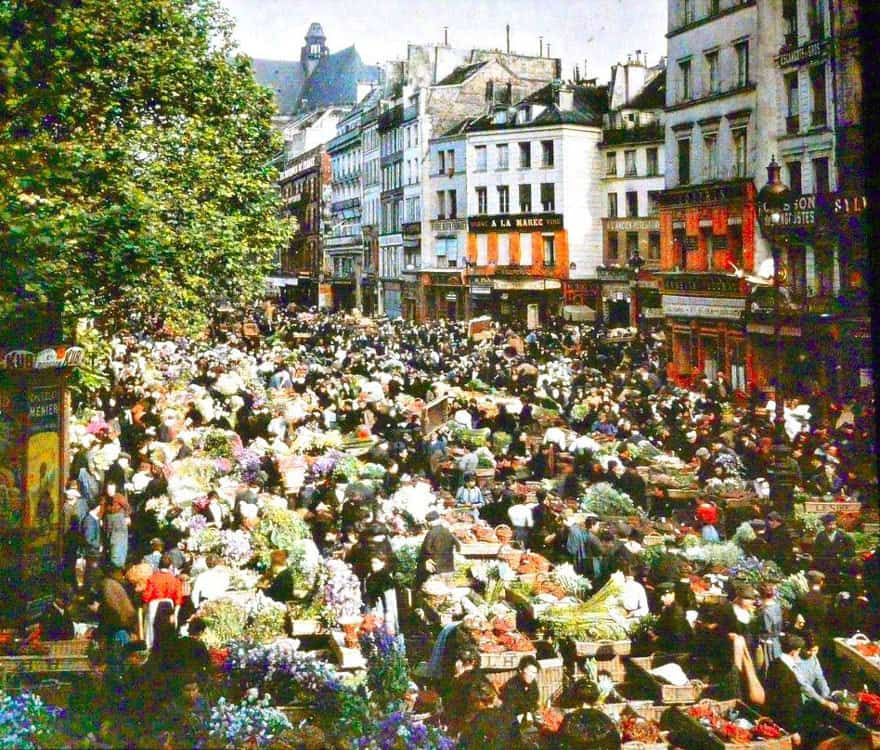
(681, 494)
(639, 667)
(850, 726)
(687, 731)
(652, 540)
(480, 549)
(852, 650)
(305, 627)
(550, 679)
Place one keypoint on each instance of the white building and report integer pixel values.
(534, 208)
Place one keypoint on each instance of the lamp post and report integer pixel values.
(468, 265)
(773, 201)
(635, 263)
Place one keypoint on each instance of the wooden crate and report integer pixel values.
(346, 658)
(686, 731)
(682, 495)
(73, 647)
(479, 549)
(851, 654)
(639, 667)
(613, 666)
(550, 679)
(602, 649)
(305, 627)
(503, 660)
(653, 540)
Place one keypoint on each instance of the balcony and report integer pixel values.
(792, 124)
(448, 225)
(790, 41)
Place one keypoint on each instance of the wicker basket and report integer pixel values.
(503, 659)
(550, 679)
(679, 494)
(74, 647)
(511, 556)
(688, 732)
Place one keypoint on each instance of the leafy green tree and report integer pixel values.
(135, 160)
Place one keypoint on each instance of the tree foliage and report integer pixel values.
(135, 159)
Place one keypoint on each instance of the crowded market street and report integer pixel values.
(336, 531)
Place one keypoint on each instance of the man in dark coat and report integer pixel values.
(782, 687)
(780, 547)
(833, 549)
(673, 631)
(520, 695)
(437, 552)
(631, 482)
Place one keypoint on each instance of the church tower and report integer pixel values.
(314, 49)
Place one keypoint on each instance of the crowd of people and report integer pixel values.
(315, 373)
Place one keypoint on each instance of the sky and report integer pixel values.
(601, 32)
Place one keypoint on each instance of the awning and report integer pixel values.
(579, 313)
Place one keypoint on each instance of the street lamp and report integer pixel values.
(773, 201)
(635, 263)
(468, 265)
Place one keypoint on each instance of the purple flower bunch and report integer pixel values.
(222, 465)
(399, 731)
(253, 722)
(248, 465)
(342, 591)
(197, 523)
(326, 463)
(283, 662)
(25, 721)
(236, 546)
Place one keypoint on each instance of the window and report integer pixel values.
(612, 205)
(525, 249)
(482, 201)
(613, 247)
(632, 204)
(525, 155)
(735, 244)
(710, 149)
(611, 164)
(821, 182)
(654, 245)
(442, 156)
(684, 161)
(503, 199)
(408, 138)
(452, 204)
(480, 154)
(653, 202)
(503, 249)
(525, 199)
(792, 104)
(795, 181)
(713, 80)
(548, 197)
(450, 161)
(549, 247)
(678, 243)
(789, 23)
(629, 159)
(687, 11)
(742, 63)
(817, 85)
(632, 244)
(684, 72)
(546, 153)
(653, 162)
(714, 7)
(740, 152)
(815, 20)
(482, 249)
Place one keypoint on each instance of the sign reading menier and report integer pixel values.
(703, 307)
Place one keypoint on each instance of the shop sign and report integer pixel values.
(515, 223)
(703, 307)
(45, 359)
(481, 290)
(803, 54)
(771, 331)
(803, 210)
(652, 313)
(610, 291)
(701, 196)
(631, 225)
(527, 285)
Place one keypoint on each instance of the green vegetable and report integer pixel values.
(603, 500)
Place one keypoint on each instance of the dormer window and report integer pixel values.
(525, 114)
(501, 117)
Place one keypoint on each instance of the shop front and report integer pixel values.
(704, 314)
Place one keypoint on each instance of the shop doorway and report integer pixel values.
(618, 313)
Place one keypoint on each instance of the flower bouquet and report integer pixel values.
(400, 731)
(252, 723)
(278, 528)
(26, 723)
(235, 546)
(226, 620)
(342, 592)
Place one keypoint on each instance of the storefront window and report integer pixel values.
(738, 365)
(709, 345)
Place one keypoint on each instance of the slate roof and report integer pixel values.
(590, 103)
(334, 81)
(652, 96)
(461, 73)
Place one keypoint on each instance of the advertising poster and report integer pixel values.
(11, 505)
(43, 459)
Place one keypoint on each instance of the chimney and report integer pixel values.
(445, 36)
(540, 46)
(548, 49)
(508, 38)
(565, 98)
